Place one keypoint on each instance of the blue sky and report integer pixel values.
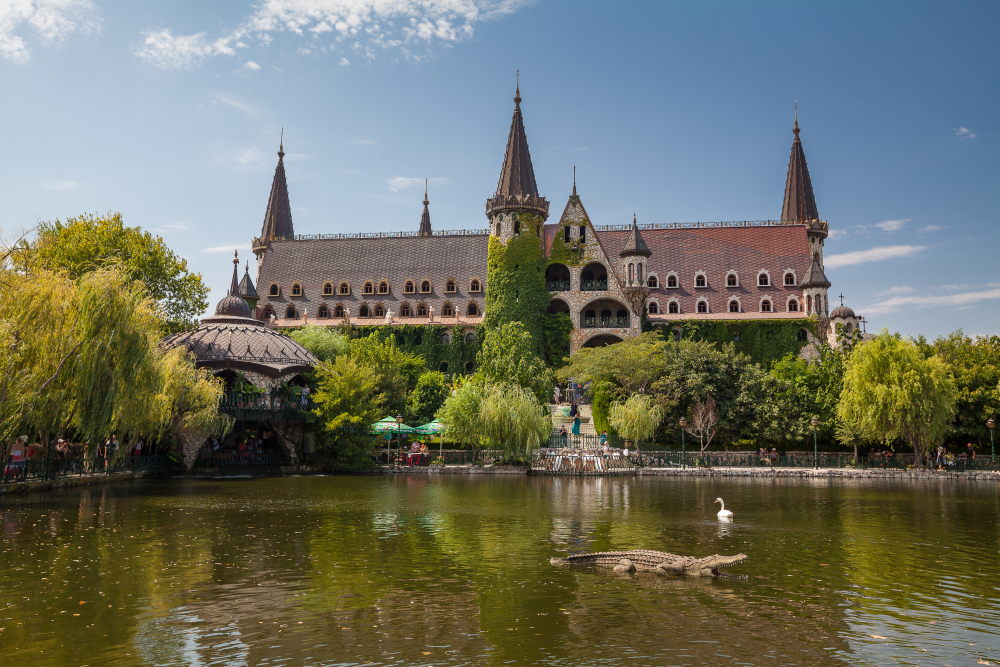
(171, 113)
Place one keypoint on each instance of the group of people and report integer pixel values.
(768, 458)
(246, 448)
(943, 459)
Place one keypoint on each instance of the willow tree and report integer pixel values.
(514, 421)
(462, 417)
(637, 418)
(892, 392)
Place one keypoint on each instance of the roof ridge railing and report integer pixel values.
(698, 225)
(392, 235)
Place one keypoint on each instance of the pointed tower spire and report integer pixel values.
(234, 288)
(425, 219)
(800, 203)
(574, 180)
(635, 244)
(247, 290)
(516, 189)
(278, 216)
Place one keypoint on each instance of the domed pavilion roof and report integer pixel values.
(233, 339)
(844, 312)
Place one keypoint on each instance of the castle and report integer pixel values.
(606, 278)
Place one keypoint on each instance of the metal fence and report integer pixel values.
(35, 469)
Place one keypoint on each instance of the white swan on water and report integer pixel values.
(723, 513)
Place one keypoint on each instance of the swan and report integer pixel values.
(723, 513)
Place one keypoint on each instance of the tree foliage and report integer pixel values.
(427, 397)
(91, 242)
(462, 416)
(507, 356)
(325, 343)
(396, 371)
(892, 392)
(637, 418)
(347, 402)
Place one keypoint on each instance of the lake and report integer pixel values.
(454, 570)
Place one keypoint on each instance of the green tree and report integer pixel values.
(462, 416)
(396, 371)
(637, 418)
(427, 397)
(514, 421)
(91, 242)
(508, 356)
(347, 402)
(892, 392)
(324, 342)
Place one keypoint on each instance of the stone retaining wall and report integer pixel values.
(832, 473)
(45, 485)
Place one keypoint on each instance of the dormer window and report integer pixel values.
(422, 310)
(449, 286)
(732, 280)
(296, 290)
(379, 310)
(653, 309)
(472, 310)
(699, 281)
(671, 281)
(368, 289)
(345, 289)
(447, 310)
(790, 279)
(383, 287)
(323, 311)
(672, 308)
(338, 311)
(272, 290)
(474, 286)
(425, 286)
(652, 282)
(765, 306)
(703, 306)
(734, 306)
(290, 313)
(408, 288)
(327, 289)
(763, 280)
(404, 310)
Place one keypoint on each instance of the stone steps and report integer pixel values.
(586, 419)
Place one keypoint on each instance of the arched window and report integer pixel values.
(517, 228)
(622, 318)
(404, 310)
(408, 287)
(268, 313)
(702, 306)
(677, 333)
(447, 310)
(422, 310)
(793, 306)
(379, 311)
(765, 306)
(631, 271)
(296, 290)
(472, 310)
(323, 311)
(763, 280)
(290, 313)
(639, 274)
(449, 286)
(338, 311)
(557, 278)
(474, 286)
(732, 280)
(673, 308)
(566, 234)
(363, 311)
(470, 337)
(273, 290)
(583, 233)
(443, 367)
(848, 328)
(809, 301)
(734, 306)
(652, 283)
(801, 335)
(790, 278)
(469, 367)
(671, 281)
(699, 281)
(345, 289)
(383, 287)
(368, 289)
(425, 286)
(327, 289)
(653, 308)
(446, 338)
(590, 318)
(594, 277)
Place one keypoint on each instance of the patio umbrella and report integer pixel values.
(430, 428)
(389, 425)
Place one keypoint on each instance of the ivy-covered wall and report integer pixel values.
(427, 341)
(515, 279)
(764, 341)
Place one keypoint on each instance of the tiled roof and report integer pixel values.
(800, 203)
(425, 218)
(517, 176)
(247, 289)
(278, 216)
(814, 276)
(313, 263)
(634, 244)
(716, 251)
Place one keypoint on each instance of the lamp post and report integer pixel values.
(399, 421)
(815, 422)
(993, 452)
(684, 422)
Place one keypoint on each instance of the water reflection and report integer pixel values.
(455, 571)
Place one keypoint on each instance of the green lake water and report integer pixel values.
(453, 570)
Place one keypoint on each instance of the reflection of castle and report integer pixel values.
(598, 275)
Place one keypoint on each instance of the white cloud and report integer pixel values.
(363, 142)
(251, 65)
(59, 185)
(345, 61)
(228, 99)
(168, 51)
(954, 287)
(364, 25)
(892, 225)
(248, 156)
(902, 289)
(404, 182)
(52, 21)
(930, 228)
(872, 255)
(174, 227)
(838, 233)
(964, 299)
(964, 133)
(223, 248)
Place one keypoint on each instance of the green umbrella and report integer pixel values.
(431, 428)
(389, 425)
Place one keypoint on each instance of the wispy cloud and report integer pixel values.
(229, 100)
(964, 133)
(902, 289)
(223, 248)
(963, 300)
(872, 255)
(404, 182)
(838, 233)
(892, 225)
(344, 62)
(954, 287)
(51, 20)
(366, 26)
(59, 185)
(247, 156)
(174, 227)
(363, 142)
(252, 66)
(930, 228)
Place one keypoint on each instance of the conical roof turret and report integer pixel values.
(278, 216)
(233, 305)
(247, 289)
(814, 276)
(800, 204)
(634, 244)
(425, 218)
(516, 189)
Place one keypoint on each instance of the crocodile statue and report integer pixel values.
(654, 561)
